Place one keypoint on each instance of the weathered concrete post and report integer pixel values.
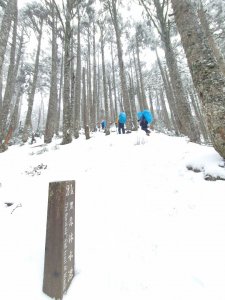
(60, 243)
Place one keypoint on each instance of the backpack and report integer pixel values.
(148, 116)
(122, 117)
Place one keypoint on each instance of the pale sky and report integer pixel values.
(21, 3)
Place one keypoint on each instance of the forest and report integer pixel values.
(66, 65)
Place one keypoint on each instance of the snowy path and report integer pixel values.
(146, 227)
(147, 231)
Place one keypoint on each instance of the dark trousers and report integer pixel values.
(146, 129)
(121, 127)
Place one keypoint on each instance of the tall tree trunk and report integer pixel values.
(5, 29)
(209, 36)
(28, 122)
(11, 78)
(133, 106)
(15, 116)
(106, 104)
(164, 111)
(186, 124)
(89, 82)
(112, 111)
(158, 108)
(1, 88)
(72, 85)
(126, 102)
(94, 110)
(172, 103)
(19, 88)
(207, 78)
(41, 119)
(169, 94)
(86, 113)
(198, 113)
(59, 97)
(16, 78)
(78, 83)
(138, 90)
(99, 96)
(143, 96)
(114, 82)
(10, 12)
(52, 105)
(67, 135)
(151, 104)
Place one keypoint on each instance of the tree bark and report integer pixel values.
(199, 117)
(78, 82)
(59, 97)
(111, 111)
(89, 81)
(185, 122)
(114, 82)
(125, 94)
(106, 104)
(10, 10)
(143, 96)
(209, 36)
(52, 106)
(138, 90)
(169, 95)
(72, 85)
(5, 29)
(94, 110)
(28, 122)
(67, 134)
(11, 77)
(86, 114)
(164, 111)
(207, 78)
(133, 106)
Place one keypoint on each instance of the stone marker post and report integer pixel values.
(60, 234)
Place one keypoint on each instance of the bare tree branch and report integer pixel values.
(143, 2)
(59, 15)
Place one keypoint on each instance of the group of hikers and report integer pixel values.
(144, 118)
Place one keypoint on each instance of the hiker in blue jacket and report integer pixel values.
(121, 122)
(103, 123)
(145, 119)
(144, 125)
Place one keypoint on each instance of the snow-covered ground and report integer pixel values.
(146, 226)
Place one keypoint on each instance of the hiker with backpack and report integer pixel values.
(145, 119)
(121, 122)
(103, 123)
(144, 125)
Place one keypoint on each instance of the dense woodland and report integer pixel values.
(67, 64)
